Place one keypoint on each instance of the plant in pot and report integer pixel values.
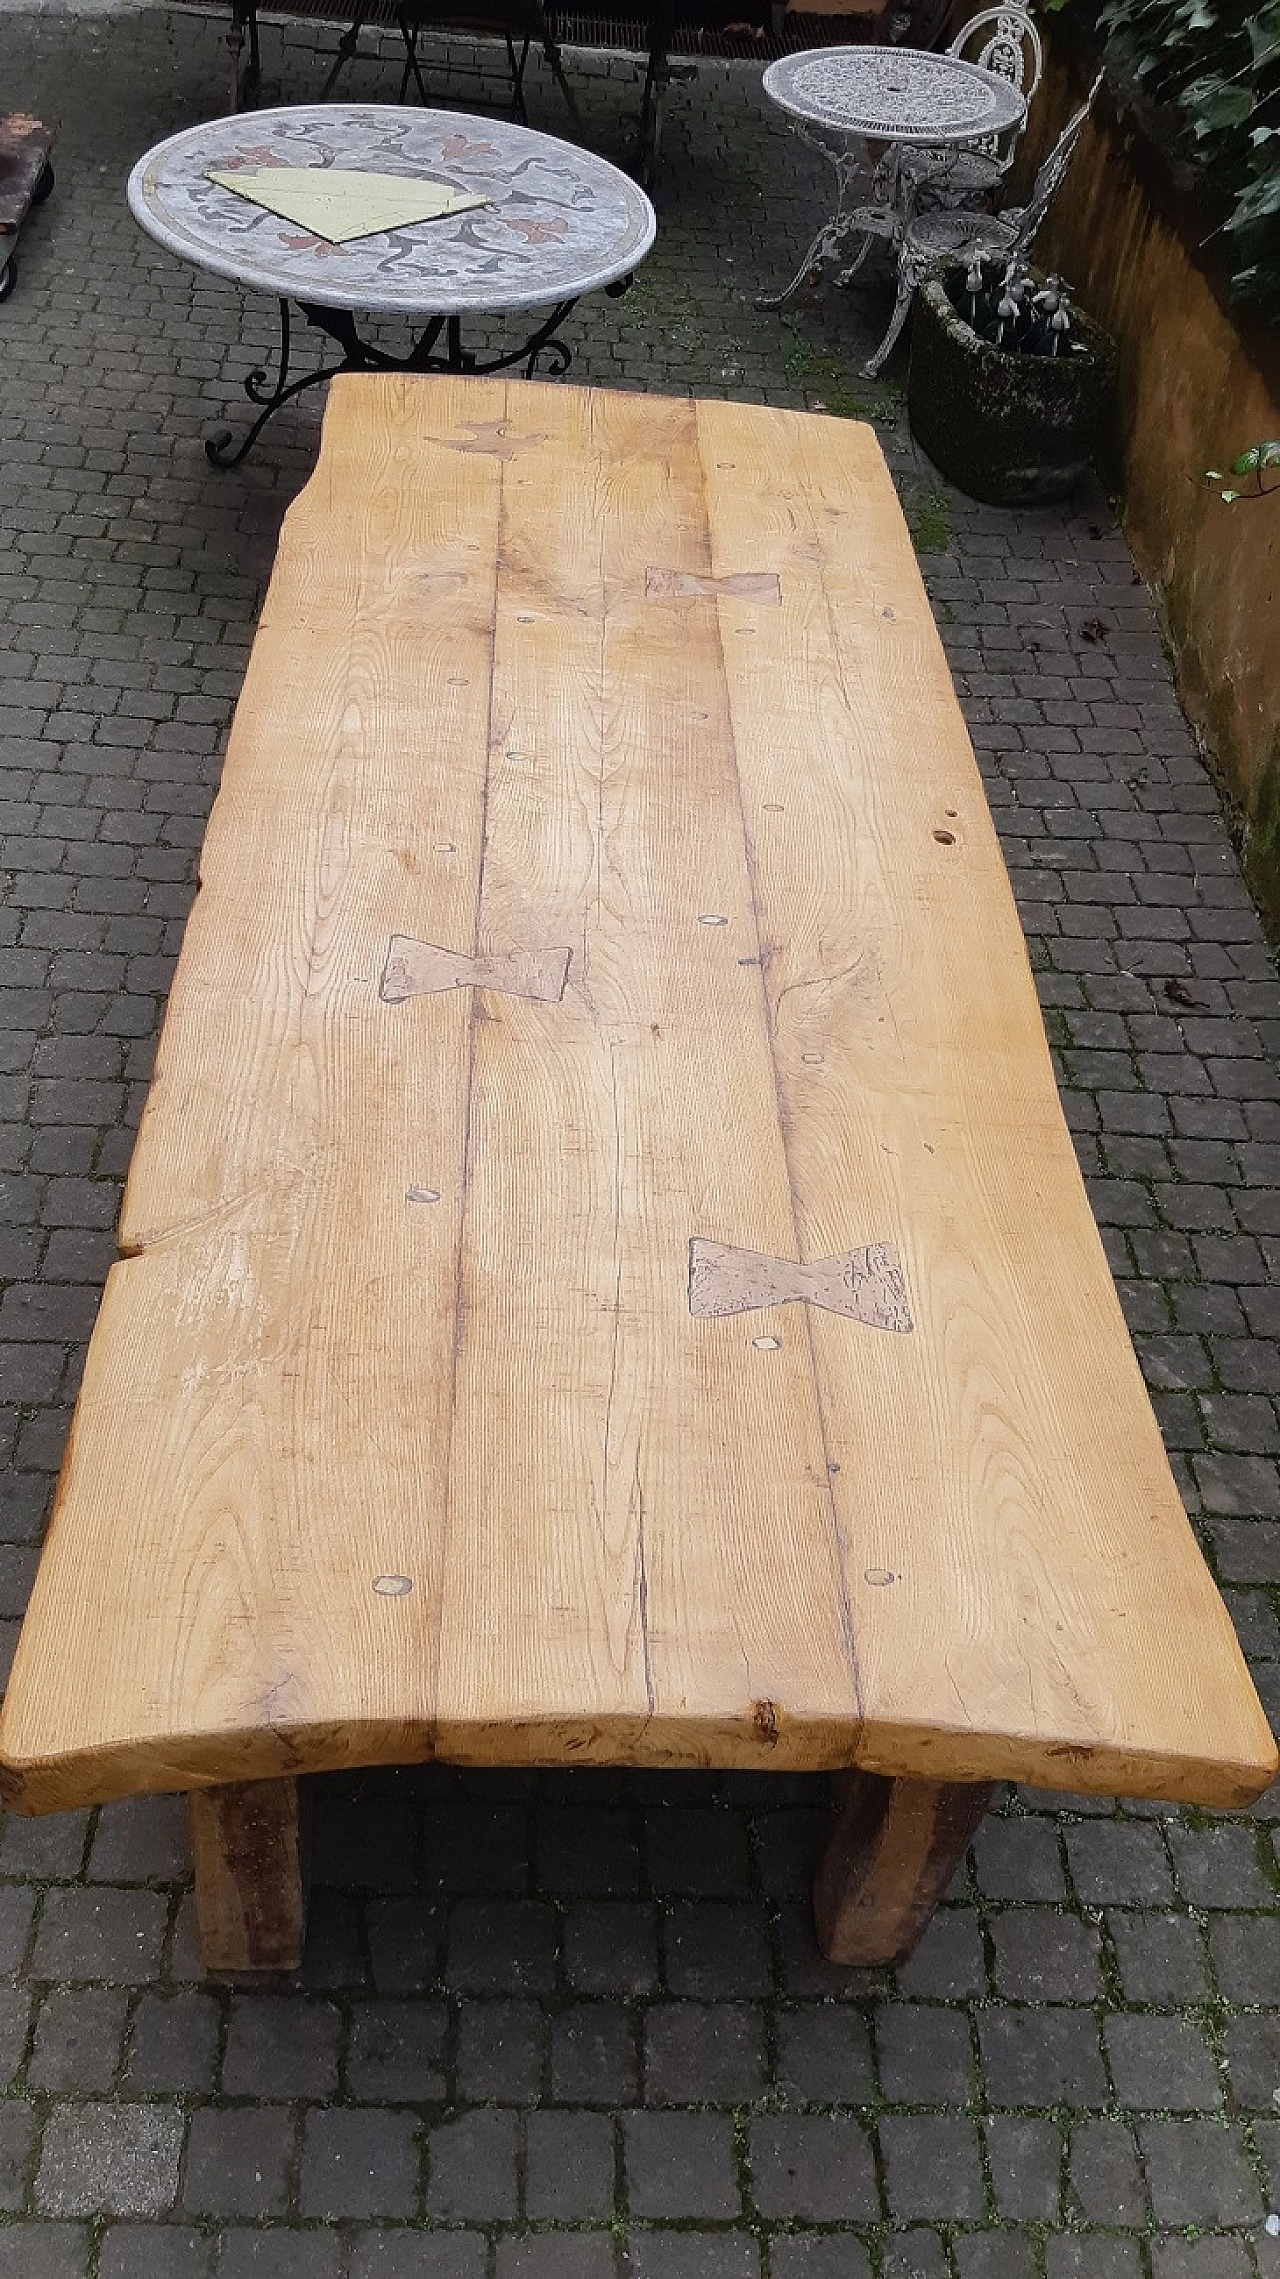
(1009, 383)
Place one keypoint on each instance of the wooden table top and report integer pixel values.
(601, 916)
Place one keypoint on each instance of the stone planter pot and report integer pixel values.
(1014, 430)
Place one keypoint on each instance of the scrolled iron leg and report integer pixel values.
(893, 1849)
(850, 271)
(907, 282)
(219, 439)
(824, 244)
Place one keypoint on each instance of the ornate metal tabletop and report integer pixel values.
(558, 221)
(892, 94)
(551, 222)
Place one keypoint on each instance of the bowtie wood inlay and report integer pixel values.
(692, 585)
(419, 969)
(866, 1284)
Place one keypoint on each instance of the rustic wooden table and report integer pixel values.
(607, 1277)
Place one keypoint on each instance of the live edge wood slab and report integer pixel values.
(606, 1277)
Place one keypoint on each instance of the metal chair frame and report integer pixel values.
(958, 236)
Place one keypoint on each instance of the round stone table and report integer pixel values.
(557, 222)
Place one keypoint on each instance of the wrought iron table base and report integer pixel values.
(362, 356)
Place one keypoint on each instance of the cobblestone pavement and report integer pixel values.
(570, 2027)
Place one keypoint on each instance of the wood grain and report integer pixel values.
(247, 1856)
(399, 1435)
(893, 1849)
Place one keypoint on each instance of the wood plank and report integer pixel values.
(1019, 1560)
(599, 896)
(247, 1856)
(261, 1445)
(894, 1847)
(642, 1557)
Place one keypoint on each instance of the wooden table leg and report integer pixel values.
(892, 1852)
(248, 1865)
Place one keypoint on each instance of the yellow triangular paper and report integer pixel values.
(337, 203)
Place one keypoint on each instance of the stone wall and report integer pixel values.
(1199, 382)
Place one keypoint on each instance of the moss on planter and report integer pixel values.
(1015, 430)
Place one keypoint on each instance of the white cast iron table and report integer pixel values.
(558, 222)
(846, 99)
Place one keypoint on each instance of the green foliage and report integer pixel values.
(1260, 460)
(1213, 67)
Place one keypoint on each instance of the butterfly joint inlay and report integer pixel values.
(866, 1284)
(419, 969)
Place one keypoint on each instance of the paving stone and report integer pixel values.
(1161, 2063)
(611, 1948)
(281, 2046)
(44, 2251)
(1104, 2177)
(115, 2160)
(818, 2167)
(1091, 2256)
(1025, 2160)
(1253, 2060)
(716, 1951)
(238, 2161)
(79, 2038)
(500, 2051)
(1116, 1864)
(570, 2167)
(1161, 1957)
(692, 1853)
(100, 1933)
(173, 2042)
(704, 2053)
(142, 1840)
(925, 2055)
(471, 2169)
(932, 2165)
(274, 2253)
(395, 2051)
(1019, 1859)
(391, 2254)
(1198, 2173)
(406, 1945)
(1042, 1956)
(586, 1849)
(502, 1947)
(557, 2255)
(1220, 1867)
(359, 2163)
(824, 2056)
(916, 2254)
(1042, 2057)
(595, 2057)
(1246, 1957)
(154, 2251)
(680, 2165)
(818, 2255)
(695, 2255)
(995, 2255)
(1222, 2257)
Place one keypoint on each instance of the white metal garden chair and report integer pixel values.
(1005, 42)
(958, 236)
